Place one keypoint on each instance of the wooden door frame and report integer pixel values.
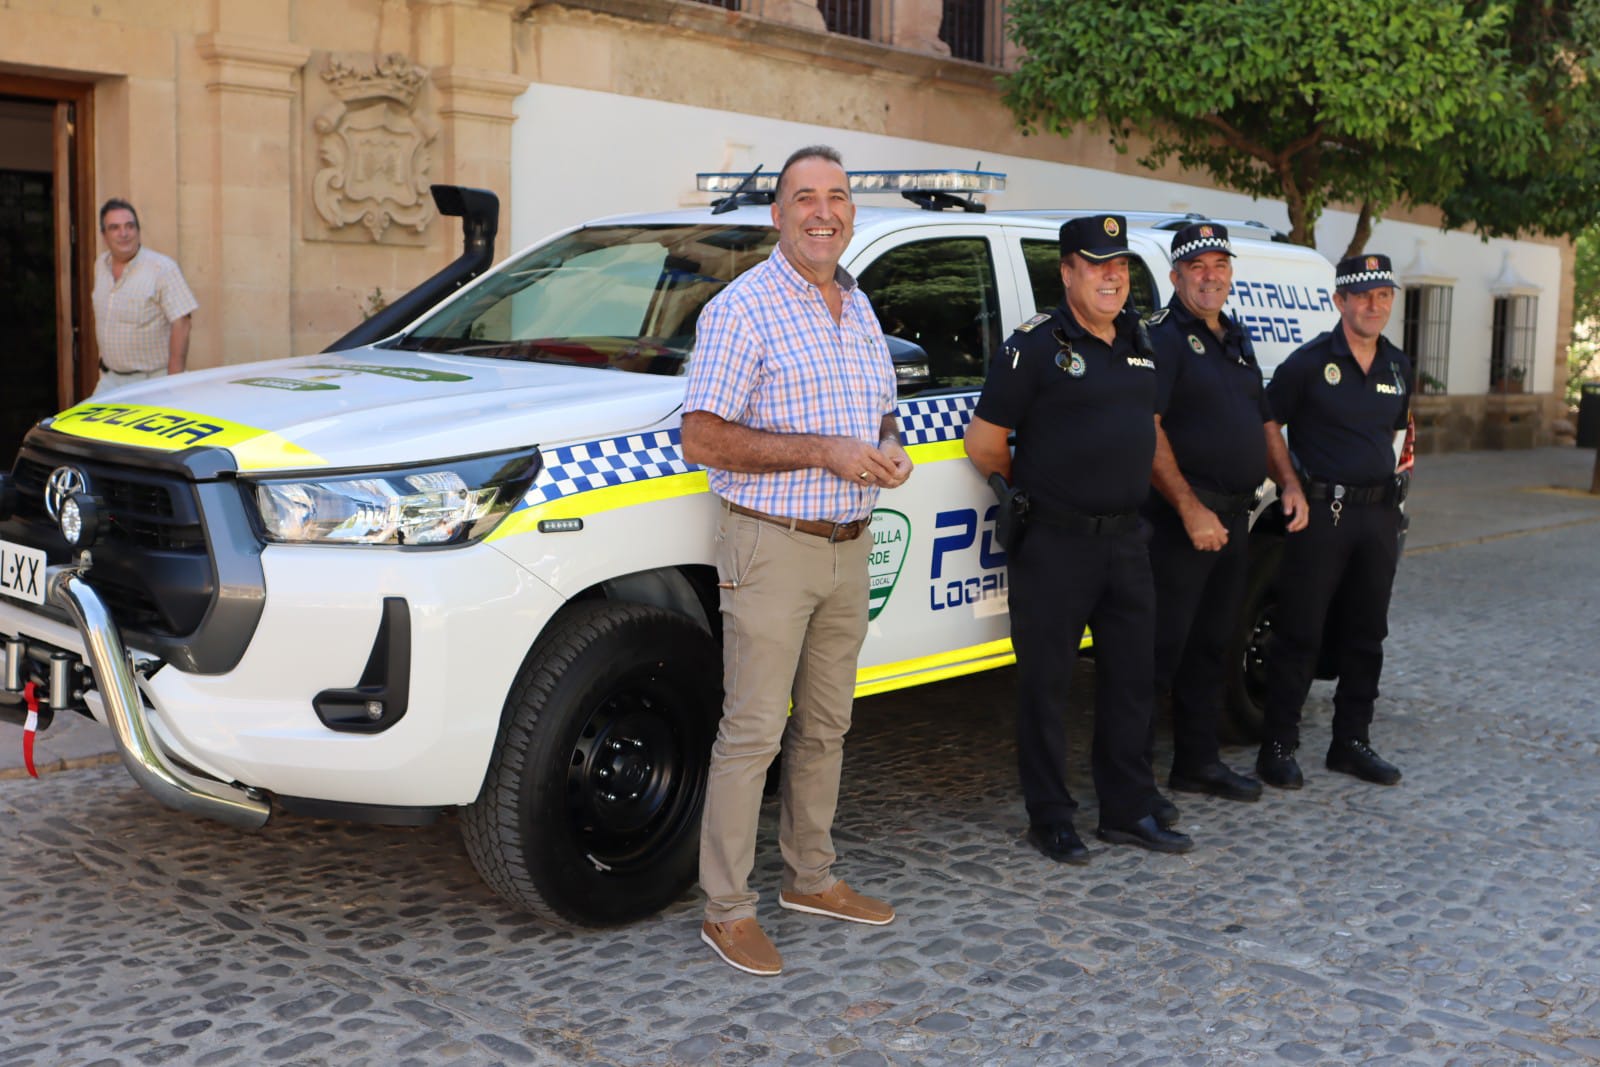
(75, 373)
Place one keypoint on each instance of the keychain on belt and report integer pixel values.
(1336, 505)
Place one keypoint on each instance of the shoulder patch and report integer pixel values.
(1038, 320)
(1157, 317)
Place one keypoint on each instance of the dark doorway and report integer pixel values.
(44, 191)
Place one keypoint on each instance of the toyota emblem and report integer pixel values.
(63, 482)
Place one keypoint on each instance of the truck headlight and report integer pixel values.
(453, 502)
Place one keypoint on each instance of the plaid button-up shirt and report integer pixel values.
(768, 355)
(133, 315)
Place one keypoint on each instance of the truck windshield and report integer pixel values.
(621, 297)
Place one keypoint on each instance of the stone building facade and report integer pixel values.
(281, 150)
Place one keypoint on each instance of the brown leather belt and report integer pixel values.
(832, 531)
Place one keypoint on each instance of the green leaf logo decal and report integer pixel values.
(295, 385)
(891, 534)
(410, 374)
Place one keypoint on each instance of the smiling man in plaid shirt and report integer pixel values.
(142, 305)
(791, 407)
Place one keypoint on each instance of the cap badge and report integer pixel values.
(1372, 262)
(1207, 231)
(1111, 227)
(1330, 374)
(1198, 345)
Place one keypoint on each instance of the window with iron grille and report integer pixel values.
(1511, 344)
(853, 18)
(1427, 336)
(972, 29)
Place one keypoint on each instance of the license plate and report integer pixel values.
(22, 572)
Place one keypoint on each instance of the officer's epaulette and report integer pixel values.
(1157, 317)
(1038, 320)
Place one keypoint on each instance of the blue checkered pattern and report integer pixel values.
(613, 461)
(636, 457)
(940, 418)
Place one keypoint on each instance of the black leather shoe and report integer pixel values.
(1356, 757)
(1146, 833)
(1059, 841)
(1215, 779)
(1166, 812)
(1276, 766)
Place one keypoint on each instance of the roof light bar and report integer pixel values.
(869, 181)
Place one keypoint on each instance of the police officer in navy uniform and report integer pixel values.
(1078, 387)
(1215, 443)
(1343, 397)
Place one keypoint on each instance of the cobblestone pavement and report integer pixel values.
(1448, 920)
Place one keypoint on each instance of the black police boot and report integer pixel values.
(1059, 841)
(1216, 779)
(1276, 766)
(1166, 812)
(1354, 756)
(1146, 833)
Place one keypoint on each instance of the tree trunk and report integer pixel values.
(1363, 233)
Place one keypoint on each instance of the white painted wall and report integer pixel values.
(577, 154)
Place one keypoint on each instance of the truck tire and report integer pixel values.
(590, 811)
(1244, 695)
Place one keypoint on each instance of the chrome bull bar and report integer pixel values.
(124, 706)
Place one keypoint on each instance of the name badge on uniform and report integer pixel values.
(1071, 362)
(1330, 374)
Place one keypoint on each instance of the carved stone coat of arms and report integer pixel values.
(374, 151)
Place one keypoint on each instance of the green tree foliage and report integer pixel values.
(1534, 164)
(1368, 102)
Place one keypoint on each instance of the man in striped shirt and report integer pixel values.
(791, 402)
(142, 305)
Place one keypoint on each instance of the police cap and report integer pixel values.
(1095, 237)
(1357, 274)
(1199, 238)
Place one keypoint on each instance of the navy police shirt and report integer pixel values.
(1082, 411)
(1211, 400)
(1341, 421)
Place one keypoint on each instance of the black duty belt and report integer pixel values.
(1078, 522)
(1388, 493)
(832, 531)
(1226, 503)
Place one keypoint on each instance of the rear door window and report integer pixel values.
(940, 293)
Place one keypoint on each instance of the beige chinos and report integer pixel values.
(793, 622)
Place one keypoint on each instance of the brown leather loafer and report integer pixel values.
(742, 945)
(840, 902)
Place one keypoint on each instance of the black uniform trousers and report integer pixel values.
(1060, 581)
(1338, 575)
(1198, 595)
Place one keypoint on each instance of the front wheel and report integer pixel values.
(1245, 697)
(590, 811)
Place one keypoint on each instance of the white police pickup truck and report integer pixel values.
(466, 566)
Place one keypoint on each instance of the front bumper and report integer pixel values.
(220, 745)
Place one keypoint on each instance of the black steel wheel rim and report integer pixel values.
(637, 770)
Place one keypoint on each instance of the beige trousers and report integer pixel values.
(794, 614)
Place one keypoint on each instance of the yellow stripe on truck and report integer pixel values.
(169, 430)
(611, 497)
(953, 664)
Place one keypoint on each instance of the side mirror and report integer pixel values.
(912, 373)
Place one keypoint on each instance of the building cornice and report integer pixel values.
(251, 64)
(476, 93)
(713, 21)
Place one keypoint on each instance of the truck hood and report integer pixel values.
(373, 407)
